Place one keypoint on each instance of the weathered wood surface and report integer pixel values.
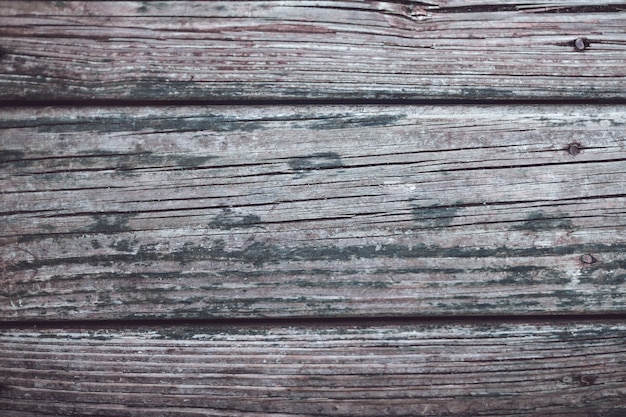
(485, 369)
(211, 50)
(319, 217)
(310, 211)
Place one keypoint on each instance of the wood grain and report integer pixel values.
(312, 211)
(487, 369)
(349, 50)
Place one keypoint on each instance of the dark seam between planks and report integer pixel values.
(547, 9)
(313, 322)
(521, 7)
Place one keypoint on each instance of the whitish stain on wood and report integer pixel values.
(311, 50)
(453, 370)
(309, 211)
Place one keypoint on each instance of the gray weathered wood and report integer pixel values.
(309, 211)
(300, 212)
(211, 50)
(485, 369)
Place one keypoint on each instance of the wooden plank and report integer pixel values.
(221, 50)
(309, 211)
(513, 369)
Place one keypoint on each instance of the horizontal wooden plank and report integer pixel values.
(195, 212)
(222, 50)
(426, 370)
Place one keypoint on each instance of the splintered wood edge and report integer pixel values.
(371, 370)
(312, 211)
(237, 51)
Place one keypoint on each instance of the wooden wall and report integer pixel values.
(313, 208)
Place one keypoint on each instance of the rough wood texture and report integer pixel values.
(412, 370)
(212, 50)
(394, 249)
(114, 213)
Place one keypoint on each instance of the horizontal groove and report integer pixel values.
(306, 102)
(315, 322)
(547, 8)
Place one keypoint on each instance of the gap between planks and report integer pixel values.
(316, 322)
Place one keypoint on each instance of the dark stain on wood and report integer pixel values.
(143, 8)
(97, 160)
(261, 253)
(348, 121)
(123, 245)
(133, 162)
(228, 219)
(481, 93)
(119, 123)
(316, 161)
(11, 156)
(16, 263)
(527, 275)
(538, 221)
(433, 216)
(110, 223)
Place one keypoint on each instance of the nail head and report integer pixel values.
(588, 259)
(587, 379)
(581, 44)
(574, 149)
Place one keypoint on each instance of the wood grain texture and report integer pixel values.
(411, 370)
(312, 211)
(225, 51)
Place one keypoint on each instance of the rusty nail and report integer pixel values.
(588, 259)
(574, 149)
